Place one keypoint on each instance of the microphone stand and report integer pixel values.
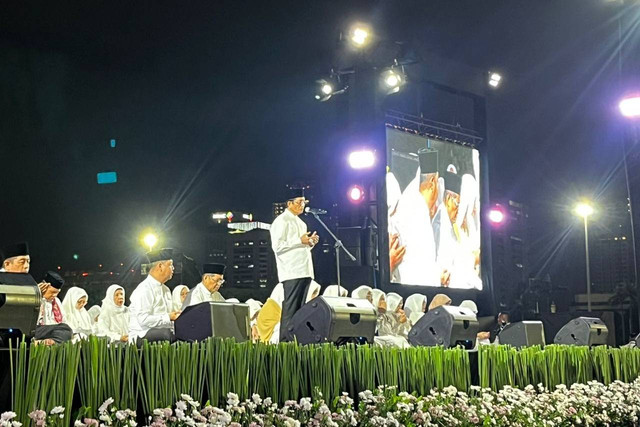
(337, 246)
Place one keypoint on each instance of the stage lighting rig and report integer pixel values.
(359, 35)
(392, 79)
(329, 86)
(495, 79)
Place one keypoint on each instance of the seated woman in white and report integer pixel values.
(75, 315)
(94, 313)
(415, 307)
(393, 329)
(332, 291)
(363, 292)
(113, 322)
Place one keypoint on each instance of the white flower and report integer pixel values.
(132, 423)
(180, 414)
(121, 415)
(57, 410)
(181, 405)
(305, 403)
(78, 423)
(256, 398)
(105, 405)
(267, 401)
(232, 399)
(186, 397)
(7, 416)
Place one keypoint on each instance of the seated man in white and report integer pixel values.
(151, 311)
(207, 289)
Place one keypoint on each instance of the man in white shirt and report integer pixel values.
(207, 289)
(16, 258)
(292, 244)
(50, 328)
(151, 315)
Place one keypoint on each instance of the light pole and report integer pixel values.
(584, 210)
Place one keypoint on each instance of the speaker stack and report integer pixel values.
(448, 326)
(523, 334)
(588, 331)
(333, 319)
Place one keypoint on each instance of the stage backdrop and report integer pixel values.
(433, 212)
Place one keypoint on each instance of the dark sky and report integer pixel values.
(211, 106)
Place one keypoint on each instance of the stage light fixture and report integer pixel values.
(328, 87)
(359, 35)
(392, 80)
(630, 107)
(356, 194)
(494, 79)
(584, 209)
(150, 240)
(496, 216)
(362, 159)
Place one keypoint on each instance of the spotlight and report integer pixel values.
(494, 79)
(328, 87)
(150, 240)
(630, 107)
(583, 209)
(362, 159)
(356, 194)
(359, 35)
(391, 80)
(496, 216)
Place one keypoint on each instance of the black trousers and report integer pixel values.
(58, 333)
(158, 334)
(295, 294)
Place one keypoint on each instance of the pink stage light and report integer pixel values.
(630, 107)
(362, 159)
(356, 194)
(496, 216)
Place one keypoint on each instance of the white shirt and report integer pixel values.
(150, 307)
(46, 312)
(113, 325)
(293, 257)
(413, 224)
(200, 294)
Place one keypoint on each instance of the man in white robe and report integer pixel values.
(207, 289)
(151, 314)
(416, 208)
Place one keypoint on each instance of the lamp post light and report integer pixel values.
(150, 240)
(585, 210)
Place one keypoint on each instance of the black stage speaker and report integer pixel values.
(333, 319)
(583, 331)
(19, 303)
(447, 326)
(523, 334)
(214, 319)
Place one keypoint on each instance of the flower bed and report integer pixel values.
(617, 404)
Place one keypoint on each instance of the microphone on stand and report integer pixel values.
(315, 211)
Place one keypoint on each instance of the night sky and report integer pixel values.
(211, 104)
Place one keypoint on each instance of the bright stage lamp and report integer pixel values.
(584, 210)
(359, 36)
(494, 79)
(150, 240)
(496, 216)
(325, 89)
(362, 159)
(356, 194)
(392, 80)
(630, 107)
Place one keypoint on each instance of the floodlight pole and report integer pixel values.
(337, 246)
(586, 250)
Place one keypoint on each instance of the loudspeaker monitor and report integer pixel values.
(583, 331)
(19, 303)
(523, 334)
(214, 319)
(448, 326)
(333, 319)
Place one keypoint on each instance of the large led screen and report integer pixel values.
(433, 208)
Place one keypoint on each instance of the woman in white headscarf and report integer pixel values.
(75, 315)
(233, 300)
(392, 326)
(113, 322)
(178, 296)
(332, 291)
(466, 269)
(363, 292)
(414, 308)
(94, 313)
(379, 301)
(268, 320)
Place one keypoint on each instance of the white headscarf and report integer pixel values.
(94, 312)
(332, 291)
(413, 307)
(114, 320)
(377, 294)
(361, 292)
(313, 288)
(233, 300)
(393, 301)
(278, 294)
(254, 308)
(78, 320)
(390, 324)
(470, 305)
(175, 297)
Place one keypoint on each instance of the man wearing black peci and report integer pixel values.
(292, 244)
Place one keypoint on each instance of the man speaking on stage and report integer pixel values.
(292, 244)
